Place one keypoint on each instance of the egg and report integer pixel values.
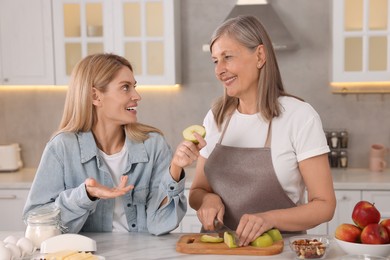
(26, 245)
(10, 240)
(5, 253)
(15, 251)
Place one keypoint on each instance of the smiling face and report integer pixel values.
(236, 66)
(118, 105)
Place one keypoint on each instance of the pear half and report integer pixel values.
(188, 133)
(275, 234)
(229, 240)
(264, 240)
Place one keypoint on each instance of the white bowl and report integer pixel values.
(364, 249)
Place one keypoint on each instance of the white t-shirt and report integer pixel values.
(116, 163)
(297, 134)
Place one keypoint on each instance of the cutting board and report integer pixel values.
(191, 244)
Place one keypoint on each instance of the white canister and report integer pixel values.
(42, 224)
(10, 159)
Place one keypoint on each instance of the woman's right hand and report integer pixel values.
(211, 208)
(96, 190)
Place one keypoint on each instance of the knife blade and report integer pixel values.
(220, 228)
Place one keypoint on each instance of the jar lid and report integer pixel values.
(44, 215)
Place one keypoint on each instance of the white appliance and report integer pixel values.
(10, 159)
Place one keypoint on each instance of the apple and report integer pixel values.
(229, 240)
(386, 224)
(275, 234)
(211, 239)
(365, 213)
(348, 232)
(188, 133)
(374, 233)
(264, 240)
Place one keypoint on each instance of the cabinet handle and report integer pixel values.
(10, 197)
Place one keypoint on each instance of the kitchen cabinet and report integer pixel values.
(143, 31)
(26, 48)
(12, 202)
(361, 58)
(381, 200)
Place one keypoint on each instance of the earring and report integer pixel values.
(258, 65)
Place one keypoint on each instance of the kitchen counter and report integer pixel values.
(21, 179)
(119, 246)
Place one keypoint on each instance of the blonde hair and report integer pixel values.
(249, 32)
(95, 71)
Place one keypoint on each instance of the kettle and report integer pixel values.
(10, 159)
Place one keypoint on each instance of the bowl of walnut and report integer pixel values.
(309, 246)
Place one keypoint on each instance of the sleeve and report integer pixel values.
(212, 134)
(162, 220)
(310, 140)
(49, 187)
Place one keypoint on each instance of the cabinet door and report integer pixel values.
(26, 45)
(381, 200)
(12, 203)
(81, 28)
(346, 201)
(361, 44)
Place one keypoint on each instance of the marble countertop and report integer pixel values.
(119, 246)
(343, 179)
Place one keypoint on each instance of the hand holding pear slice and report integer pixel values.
(188, 133)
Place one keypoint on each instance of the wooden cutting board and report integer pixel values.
(191, 244)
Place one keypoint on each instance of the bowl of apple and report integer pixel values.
(368, 235)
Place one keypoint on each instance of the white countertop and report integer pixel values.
(343, 179)
(119, 246)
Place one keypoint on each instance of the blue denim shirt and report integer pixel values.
(70, 158)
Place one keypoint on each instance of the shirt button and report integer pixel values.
(128, 205)
(133, 225)
(172, 188)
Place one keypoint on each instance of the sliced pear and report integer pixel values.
(264, 240)
(188, 133)
(275, 234)
(211, 239)
(229, 240)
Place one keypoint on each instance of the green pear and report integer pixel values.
(229, 240)
(275, 234)
(262, 241)
(188, 133)
(211, 239)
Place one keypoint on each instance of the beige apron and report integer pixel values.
(245, 180)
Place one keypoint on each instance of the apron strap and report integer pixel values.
(224, 129)
(269, 136)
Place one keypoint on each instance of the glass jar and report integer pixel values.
(43, 223)
(343, 159)
(334, 140)
(334, 159)
(343, 139)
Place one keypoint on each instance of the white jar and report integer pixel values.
(42, 224)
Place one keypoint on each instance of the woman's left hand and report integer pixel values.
(252, 226)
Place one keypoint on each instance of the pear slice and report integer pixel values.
(229, 240)
(188, 133)
(275, 234)
(211, 239)
(264, 240)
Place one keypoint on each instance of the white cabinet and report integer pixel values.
(11, 203)
(26, 44)
(143, 31)
(346, 201)
(361, 45)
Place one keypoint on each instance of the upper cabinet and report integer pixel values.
(26, 48)
(143, 31)
(361, 46)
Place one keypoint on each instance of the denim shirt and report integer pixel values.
(70, 158)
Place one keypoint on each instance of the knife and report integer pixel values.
(220, 228)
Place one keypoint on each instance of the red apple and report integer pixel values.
(365, 213)
(374, 234)
(386, 224)
(348, 232)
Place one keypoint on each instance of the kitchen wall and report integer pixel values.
(30, 116)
